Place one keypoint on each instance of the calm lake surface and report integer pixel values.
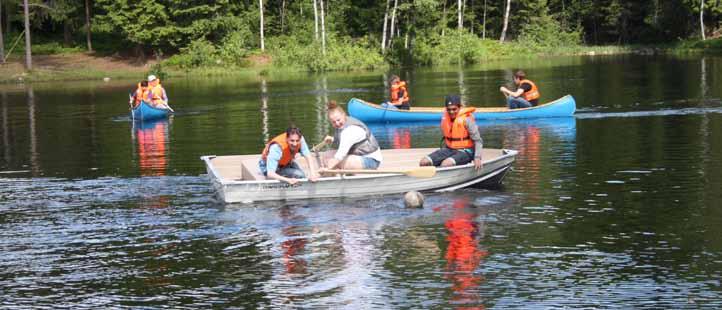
(618, 207)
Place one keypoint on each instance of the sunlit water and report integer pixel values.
(618, 207)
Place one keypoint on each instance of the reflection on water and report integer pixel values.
(463, 256)
(152, 146)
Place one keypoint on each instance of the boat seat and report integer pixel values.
(250, 170)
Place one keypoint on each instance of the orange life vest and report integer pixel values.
(287, 152)
(399, 94)
(533, 93)
(455, 133)
(158, 94)
(140, 94)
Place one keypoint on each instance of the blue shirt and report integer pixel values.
(274, 155)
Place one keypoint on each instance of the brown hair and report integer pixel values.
(332, 106)
(520, 75)
(394, 78)
(293, 130)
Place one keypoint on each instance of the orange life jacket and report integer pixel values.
(533, 93)
(399, 94)
(140, 94)
(455, 133)
(158, 94)
(287, 152)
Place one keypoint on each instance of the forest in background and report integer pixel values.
(348, 34)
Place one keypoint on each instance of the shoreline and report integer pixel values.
(83, 66)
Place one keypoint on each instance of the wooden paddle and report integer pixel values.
(418, 172)
(315, 150)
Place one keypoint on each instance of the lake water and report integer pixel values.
(617, 207)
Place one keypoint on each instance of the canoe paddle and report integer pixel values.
(315, 150)
(418, 172)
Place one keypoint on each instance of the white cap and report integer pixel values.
(151, 78)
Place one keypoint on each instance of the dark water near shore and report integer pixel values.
(618, 207)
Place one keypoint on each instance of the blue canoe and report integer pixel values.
(145, 112)
(373, 113)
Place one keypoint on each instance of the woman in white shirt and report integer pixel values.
(356, 147)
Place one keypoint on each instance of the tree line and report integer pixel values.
(392, 28)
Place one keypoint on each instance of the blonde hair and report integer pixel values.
(332, 107)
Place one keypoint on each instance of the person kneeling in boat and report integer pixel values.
(277, 157)
(156, 94)
(399, 95)
(526, 94)
(462, 141)
(140, 94)
(356, 147)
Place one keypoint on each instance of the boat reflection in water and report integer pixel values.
(151, 143)
(463, 255)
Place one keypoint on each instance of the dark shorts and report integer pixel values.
(460, 157)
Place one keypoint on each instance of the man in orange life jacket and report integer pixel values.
(140, 93)
(526, 94)
(277, 157)
(398, 94)
(462, 141)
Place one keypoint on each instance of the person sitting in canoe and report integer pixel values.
(526, 94)
(399, 95)
(156, 94)
(141, 92)
(462, 141)
(356, 147)
(277, 157)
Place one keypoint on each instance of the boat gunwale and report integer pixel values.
(148, 105)
(478, 109)
(505, 154)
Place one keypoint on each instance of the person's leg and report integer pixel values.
(517, 103)
(436, 158)
(389, 106)
(352, 162)
(404, 106)
(459, 157)
(292, 170)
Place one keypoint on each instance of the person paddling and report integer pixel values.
(462, 141)
(277, 159)
(156, 94)
(355, 145)
(526, 95)
(398, 94)
(140, 94)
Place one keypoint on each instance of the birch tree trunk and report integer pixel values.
(460, 21)
(393, 22)
(28, 52)
(506, 21)
(701, 18)
(483, 23)
(260, 8)
(2, 40)
(383, 34)
(315, 21)
(87, 25)
(323, 30)
(283, 14)
(443, 20)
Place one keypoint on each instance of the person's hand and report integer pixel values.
(478, 164)
(313, 178)
(328, 140)
(501, 89)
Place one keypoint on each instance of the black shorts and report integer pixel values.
(460, 157)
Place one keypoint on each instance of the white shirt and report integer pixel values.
(350, 136)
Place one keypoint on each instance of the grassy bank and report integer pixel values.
(66, 64)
